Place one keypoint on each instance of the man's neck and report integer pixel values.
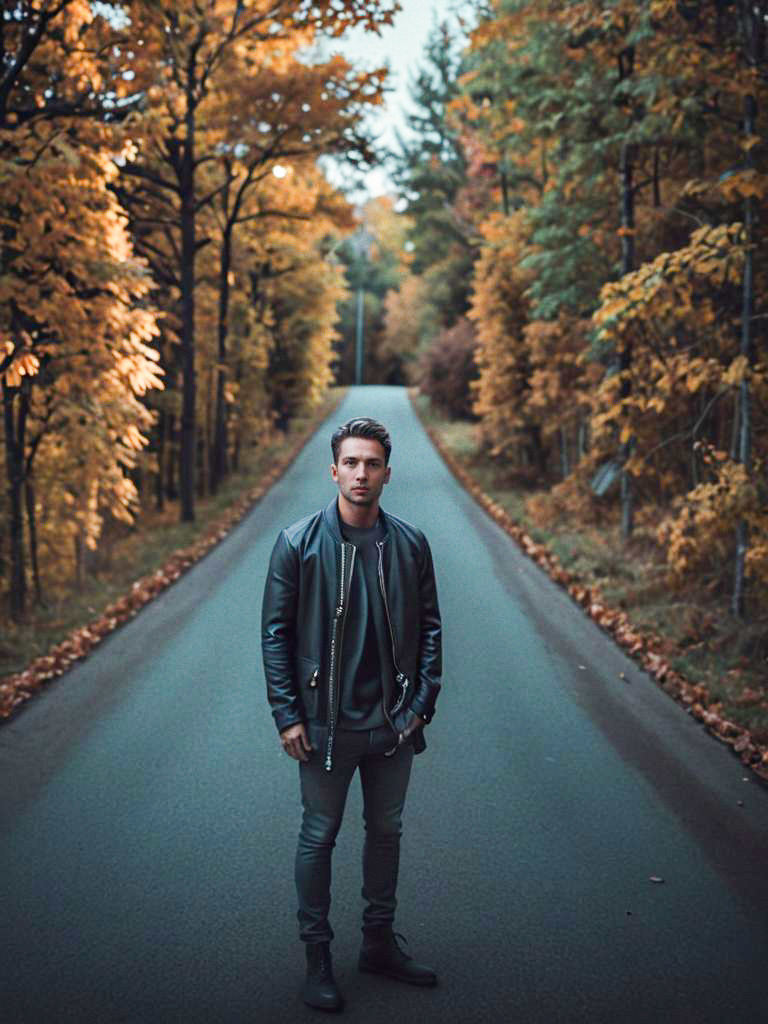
(361, 516)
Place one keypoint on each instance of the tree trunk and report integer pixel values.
(188, 253)
(583, 438)
(238, 439)
(79, 555)
(29, 493)
(205, 439)
(537, 456)
(504, 188)
(172, 460)
(735, 427)
(564, 460)
(236, 452)
(626, 170)
(161, 451)
(219, 461)
(15, 406)
(746, 348)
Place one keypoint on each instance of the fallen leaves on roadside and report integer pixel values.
(20, 686)
(643, 647)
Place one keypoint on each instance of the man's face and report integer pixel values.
(360, 471)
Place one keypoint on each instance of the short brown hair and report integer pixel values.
(362, 426)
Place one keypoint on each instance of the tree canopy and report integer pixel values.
(166, 292)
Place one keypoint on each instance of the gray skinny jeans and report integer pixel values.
(324, 794)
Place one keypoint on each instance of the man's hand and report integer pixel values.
(295, 741)
(413, 724)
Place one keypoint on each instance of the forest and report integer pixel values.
(572, 262)
(585, 277)
(167, 282)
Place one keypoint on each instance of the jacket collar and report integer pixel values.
(332, 519)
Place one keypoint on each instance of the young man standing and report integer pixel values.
(352, 657)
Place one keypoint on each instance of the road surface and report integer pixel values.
(148, 815)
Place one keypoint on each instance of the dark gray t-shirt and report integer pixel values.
(367, 648)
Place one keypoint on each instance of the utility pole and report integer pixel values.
(361, 245)
(359, 335)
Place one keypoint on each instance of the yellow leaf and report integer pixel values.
(736, 372)
(28, 364)
(750, 142)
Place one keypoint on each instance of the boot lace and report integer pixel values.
(323, 964)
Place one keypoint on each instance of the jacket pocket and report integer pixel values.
(308, 672)
(403, 694)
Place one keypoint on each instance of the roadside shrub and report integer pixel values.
(447, 368)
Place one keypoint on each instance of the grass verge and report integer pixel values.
(712, 664)
(137, 566)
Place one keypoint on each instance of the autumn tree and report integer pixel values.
(202, 54)
(447, 369)
(617, 180)
(76, 334)
(430, 171)
(410, 325)
(283, 292)
(177, 114)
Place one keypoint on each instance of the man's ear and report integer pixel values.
(334, 472)
(387, 474)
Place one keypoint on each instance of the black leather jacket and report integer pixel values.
(304, 612)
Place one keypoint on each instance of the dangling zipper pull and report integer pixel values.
(404, 683)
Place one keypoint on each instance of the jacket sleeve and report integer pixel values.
(278, 625)
(430, 645)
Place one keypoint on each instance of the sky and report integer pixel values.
(400, 45)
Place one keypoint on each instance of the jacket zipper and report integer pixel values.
(400, 677)
(337, 639)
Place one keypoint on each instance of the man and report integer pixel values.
(352, 657)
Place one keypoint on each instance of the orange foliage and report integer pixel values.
(499, 310)
(120, 131)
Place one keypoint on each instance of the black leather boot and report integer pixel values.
(381, 954)
(320, 988)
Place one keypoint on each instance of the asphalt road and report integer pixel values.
(148, 816)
